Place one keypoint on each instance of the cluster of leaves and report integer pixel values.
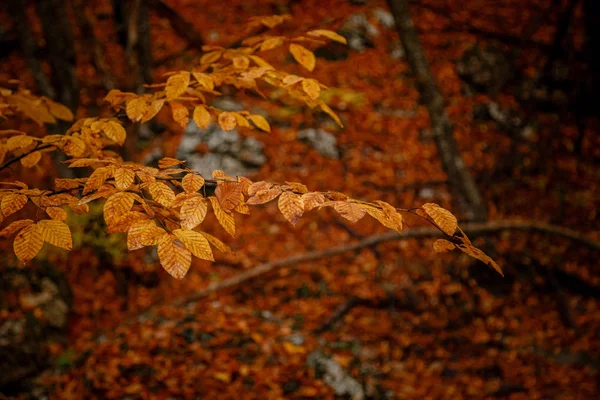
(166, 206)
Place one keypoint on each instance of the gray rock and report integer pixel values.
(384, 17)
(342, 383)
(323, 141)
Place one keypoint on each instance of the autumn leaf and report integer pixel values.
(192, 183)
(219, 245)
(18, 142)
(117, 205)
(161, 193)
(311, 88)
(181, 115)
(227, 121)
(442, 218)
(258, 186)
(59, 111)
(260, 122)
(303, 56)
(96, 179)
(174, 257)
(393, 219)
(12, 202)
(271, 43)
(351, 211)
(31, 159)
(124, 177)
(312, 200)
(74, 146)
(177, 84)
(56, 233)
(480, 255)
(228, 194)
(153, 109)
(192, 212)
(195, 242)
(136, 108)
(225, 218)
(204, 80)
(167, 162)
(57, 213)
(114, 131)
(15, 226)
(443, 246)
(264, 196)
(28, 243)
(291, 206)
(201, 117)
(143, 233)
(328, 34)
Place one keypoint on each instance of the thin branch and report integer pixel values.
(13, 160)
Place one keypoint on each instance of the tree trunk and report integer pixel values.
(461, 181)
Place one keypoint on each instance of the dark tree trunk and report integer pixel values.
(459, 177)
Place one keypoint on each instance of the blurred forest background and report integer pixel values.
(485, 107)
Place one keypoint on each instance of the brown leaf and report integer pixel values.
(124, 178)
(15, 226)
(181, 115)
(227, 121)
(351, 211)
(442, 218)
(57, 213)
(117, 206)
(174, 257)
(312, 200)
(192, 213)
(196, 243)
(291, 206)
(96, 179)
(28, 243)
(228, 194)
(443, 246)
(31, 159)
(480, 255)
(177, 84)
(393, 217)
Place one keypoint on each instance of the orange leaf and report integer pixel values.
(192, 183)
(192, 213)
(124, 178)
(136, 108)
(174, 257)
(443, 246)
(57, 213)
(12, 202)
(143, 233)
(181, 115)
(56, 233)
(311, 88)
(442, 218)
(15, 226)
(31, 159)
(201, 117)
(264, 196)
(177, 84)
(167, 162)
(28, 243)
(480, 255)
(117, 206)
(392, 216)
(291, 206)
(328, 34)
(260, 122)
(228, 194)
(227, 121)
(305, 57)
(161, 193)
(153, 109)
(225, 218)
(312, 200)
(258, 186)
(219, 245)
(196, 243)
(96, 179)
(114, 131)
(351, 211)
(59, 111)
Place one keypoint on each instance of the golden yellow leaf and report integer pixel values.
(15, 226)
(392, 216)
(291, 206)
(241, 120)
(192, 213)
(114, 131)
(196, 243)
(246, 183)
(56, 233)
(136, 108)
(305, 57)
(241, 62)
(271, 43)
(161, 193)
(167, 162)
(218, 174)
(31, 159)
(212, 57)
(227, 121)
(18, 142)
(176, 84)
(312, 200)
(442, 218)
(28, 243)
(201, 117)
(351, 211)
(258, 186)
(124, 178)
(219, 245)
(311, 88)
(117, 206)
(443, 246)
(192, 183)
(96, 179)
(65, 184)
(57, 213)
(260, 122)
(330, 112)
(143, 233)
(73, 146)
(181, 115)
(104, 191)
(204, 80)
(225, 218)
(124, 222)
(264, 196)
(59, 111)
(153, 109)
(328, 34)
(242, 208)
(228, 194)
(12, 202)
(481, 256)
(174, 257)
